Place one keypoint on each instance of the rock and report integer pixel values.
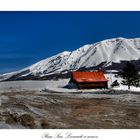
(27, 121)
(44, 124)
(12, 119)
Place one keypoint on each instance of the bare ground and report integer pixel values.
(28, 109)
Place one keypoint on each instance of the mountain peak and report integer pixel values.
(66, 52)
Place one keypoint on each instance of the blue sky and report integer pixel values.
(27, 37)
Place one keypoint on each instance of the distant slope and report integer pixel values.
(89, 57)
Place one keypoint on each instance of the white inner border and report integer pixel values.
(69, 5)
(99, 133)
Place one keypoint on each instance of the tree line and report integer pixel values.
(130, 76)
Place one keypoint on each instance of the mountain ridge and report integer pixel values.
(105, 53)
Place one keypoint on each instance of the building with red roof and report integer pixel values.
(89, 80)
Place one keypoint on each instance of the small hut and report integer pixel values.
(89, 80)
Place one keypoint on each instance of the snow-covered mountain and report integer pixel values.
(102, 53)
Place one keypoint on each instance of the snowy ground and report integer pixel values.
(57, 86)
(49, 85)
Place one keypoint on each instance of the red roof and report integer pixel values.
(97, 76)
